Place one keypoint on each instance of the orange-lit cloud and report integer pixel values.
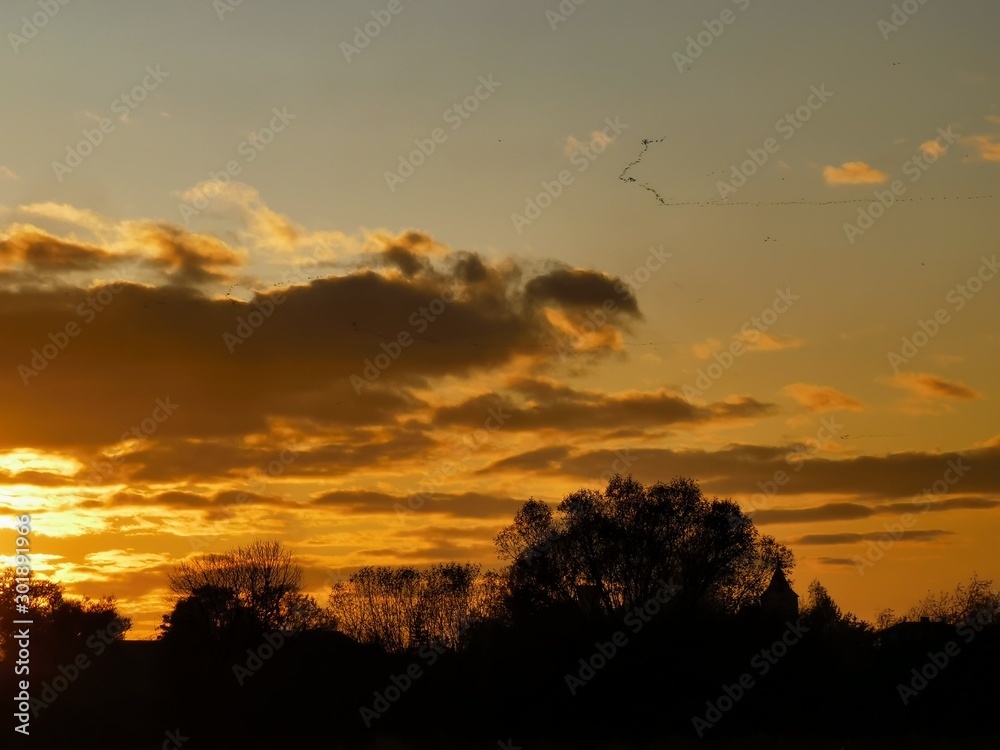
(266, 227)
(189, 258)
(597, 138)
(988, 146)
(707, 348)
(820, 398)
(933, 148)
(853, 173)
(67, 214)
(752, 340)
(933, 387)
(758, 341)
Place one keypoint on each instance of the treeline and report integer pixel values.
(595, 556)
(634, 613)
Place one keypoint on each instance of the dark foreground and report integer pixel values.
(671, 685)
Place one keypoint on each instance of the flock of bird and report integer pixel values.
(646, 143)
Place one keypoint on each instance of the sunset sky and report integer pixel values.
(448, 205)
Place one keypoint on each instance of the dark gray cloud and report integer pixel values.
(538, 460)
(838, 561)
(464, 505)
(235, 367)
(737, 470)
(854, 511)
(46, 253)
(581, 289)
(544, 405)
(911, 535)
(178, 499)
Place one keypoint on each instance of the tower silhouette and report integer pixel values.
(779, 601)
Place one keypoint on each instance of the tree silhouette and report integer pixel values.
(750, 574)
(447, 603)
(209, 615)
(234, 612)
(402, 608)
(820, 611)
(237, 595)
(61, 626)
(615, 549)
(968, 600)
(380, 605)
(886, 618)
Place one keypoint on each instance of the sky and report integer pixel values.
(365, 276)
